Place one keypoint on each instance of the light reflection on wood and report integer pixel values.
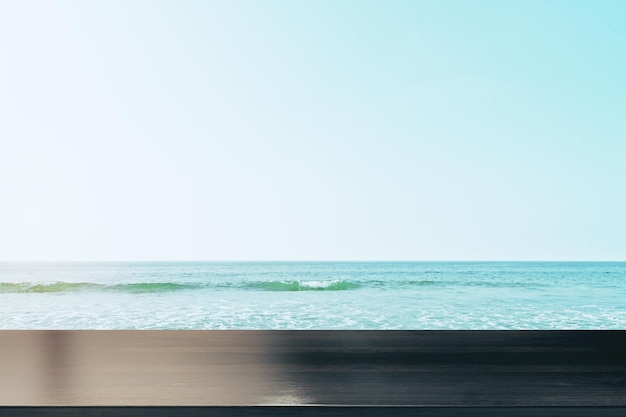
(374, 368)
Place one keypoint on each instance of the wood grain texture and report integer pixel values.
(331, 370)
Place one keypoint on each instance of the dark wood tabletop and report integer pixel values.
(279, 373)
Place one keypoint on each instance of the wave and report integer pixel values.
(157, 287)
(63, 287)
(259, 285)
(330, 285)
(28, 287)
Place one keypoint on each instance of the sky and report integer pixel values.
(312, 130)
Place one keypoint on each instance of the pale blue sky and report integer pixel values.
(328, 130)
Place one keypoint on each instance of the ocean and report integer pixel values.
(313, 295)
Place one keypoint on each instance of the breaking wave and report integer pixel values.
(330, 285)
(258, 285)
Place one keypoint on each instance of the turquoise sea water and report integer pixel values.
(313, 295)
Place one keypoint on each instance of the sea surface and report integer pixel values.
(313, 295)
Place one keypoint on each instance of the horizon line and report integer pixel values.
(312, 260)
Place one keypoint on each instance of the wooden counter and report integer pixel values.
(313, 373)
